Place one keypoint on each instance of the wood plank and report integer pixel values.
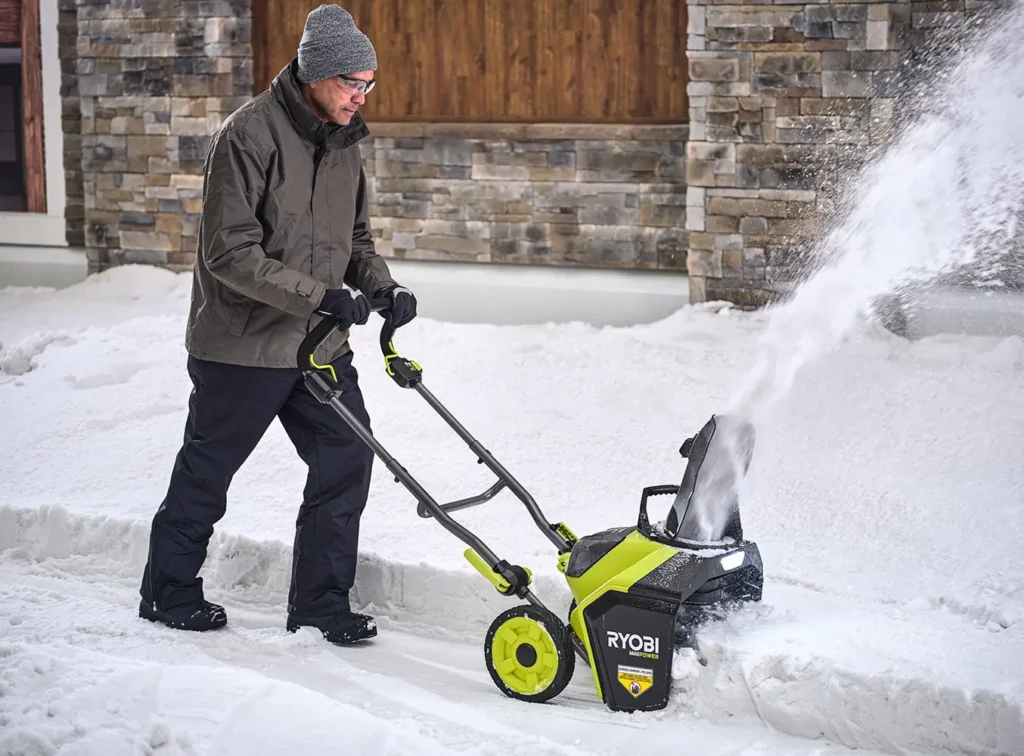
(679, 71)
(433, 80)
(258, 39)
(646, 37)
(10, 22)
(495, 80)
(469, 63)
(547, 98)
(32, 107)
(665, 57)
(519, 42)
(583, 61)
(617, 72)
(595, 47)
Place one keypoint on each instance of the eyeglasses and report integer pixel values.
(358, 85)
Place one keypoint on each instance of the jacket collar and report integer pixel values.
(287, 90)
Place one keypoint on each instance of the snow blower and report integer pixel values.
(638, 591)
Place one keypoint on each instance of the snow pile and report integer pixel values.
(887, 678)
(886, 500)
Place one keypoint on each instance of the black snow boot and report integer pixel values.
(339, 629)
(199, 616)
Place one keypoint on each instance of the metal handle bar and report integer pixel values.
(316, 337)
(407, 374)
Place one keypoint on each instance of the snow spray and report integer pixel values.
(949, 193)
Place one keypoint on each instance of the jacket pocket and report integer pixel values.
(239, 318)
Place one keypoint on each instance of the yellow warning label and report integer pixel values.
(636, 679)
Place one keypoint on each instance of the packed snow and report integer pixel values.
(885, 496)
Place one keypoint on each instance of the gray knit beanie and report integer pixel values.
(332, 45)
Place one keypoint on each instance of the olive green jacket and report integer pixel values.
(285, 217)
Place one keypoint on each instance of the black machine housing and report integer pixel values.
(635, 625)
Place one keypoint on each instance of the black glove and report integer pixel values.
(402, 308)
(348, 308)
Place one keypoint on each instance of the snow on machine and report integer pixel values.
(639, 591)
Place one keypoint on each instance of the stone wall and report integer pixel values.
(155, 79)
(148, 82)
(600, 196)
(786, 100)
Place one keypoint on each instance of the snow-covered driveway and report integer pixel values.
(886, 501)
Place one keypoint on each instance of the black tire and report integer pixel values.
(549, 657)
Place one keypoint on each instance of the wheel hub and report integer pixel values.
(526, 655)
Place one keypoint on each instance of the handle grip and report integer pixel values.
(327, 326)
(387, 333)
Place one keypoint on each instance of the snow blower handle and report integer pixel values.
(406, 373)
(509, 579)
(327, 326)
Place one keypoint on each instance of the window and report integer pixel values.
(13, 196)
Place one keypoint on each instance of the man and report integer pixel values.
(285, 226)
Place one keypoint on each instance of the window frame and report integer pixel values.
(33, 153)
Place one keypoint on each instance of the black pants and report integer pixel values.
(230, 409)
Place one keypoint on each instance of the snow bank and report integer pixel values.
(807, 664)
(246, 572)
(888, 680)
(63, 623)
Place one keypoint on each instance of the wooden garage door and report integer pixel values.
(592, 61)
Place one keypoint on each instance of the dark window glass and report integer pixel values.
(12, 148)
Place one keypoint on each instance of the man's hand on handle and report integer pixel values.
(349, 308)
(403, 305)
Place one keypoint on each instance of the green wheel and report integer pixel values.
(528, 654)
